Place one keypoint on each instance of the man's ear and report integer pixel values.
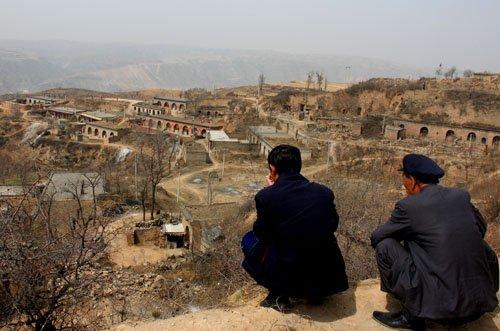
(273, 170)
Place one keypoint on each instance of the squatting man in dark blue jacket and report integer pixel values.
(292, 250)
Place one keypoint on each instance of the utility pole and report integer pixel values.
(223, 162)
(135, 176)
(178, 185)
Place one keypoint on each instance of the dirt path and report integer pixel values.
(351, 310)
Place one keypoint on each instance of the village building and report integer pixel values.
(65, 113)
(176, 234)
(74, 185)
(150, 109)
(483, 134)
(104, 131)
(177, 125)
(268, 137)
(95, 116)
(40, 101)
(219, 140)
(14, 105)
(175, 105)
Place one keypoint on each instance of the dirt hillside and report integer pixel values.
(348, 311)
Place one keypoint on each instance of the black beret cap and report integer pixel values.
(421, 166)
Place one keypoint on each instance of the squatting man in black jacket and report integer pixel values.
(443, 270)
(292, 250)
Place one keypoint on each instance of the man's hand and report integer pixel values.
(269, 180)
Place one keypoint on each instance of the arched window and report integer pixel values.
(111, 134)
(483, 140)
(158, 125)
(450, 135)
(89, 131)
(496, 141)
(185, 130)
(168, 126)
(424, 132)
(96, 132)
(176, 128)
(471, 137)
(203, 133)
(104, 134)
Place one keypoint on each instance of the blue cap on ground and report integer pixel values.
(421, 166)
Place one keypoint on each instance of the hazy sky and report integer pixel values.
(420, 33)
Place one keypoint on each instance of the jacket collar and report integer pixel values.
(290, 176)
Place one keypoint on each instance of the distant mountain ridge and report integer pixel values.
(38, 65)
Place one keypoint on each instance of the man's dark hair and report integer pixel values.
(423, 179)
(285, 158)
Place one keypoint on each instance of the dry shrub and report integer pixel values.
(220, 271)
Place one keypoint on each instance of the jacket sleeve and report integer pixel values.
(479, 220)
(261, 225)
(397, 227)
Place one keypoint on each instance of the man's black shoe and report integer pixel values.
(279, 303)
(399, 320)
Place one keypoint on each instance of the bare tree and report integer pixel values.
(319, 80)
(261, 82)
(450, 72)
(45, 262)
(309, 79)
(468, 73)
(155, 158)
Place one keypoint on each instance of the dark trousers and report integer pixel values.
(392, 259)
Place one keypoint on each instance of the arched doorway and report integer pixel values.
(176, 128)
(159, 125)
(173, 106)
(111, 134)
(96, 132)
(496, 141)
(181, 107)
(166, 105)
(185, 130)
(483, 140)
(104, 133)
(168, 126)
(450, 135)
(89, 131)
(424, 132)
(471, 137)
